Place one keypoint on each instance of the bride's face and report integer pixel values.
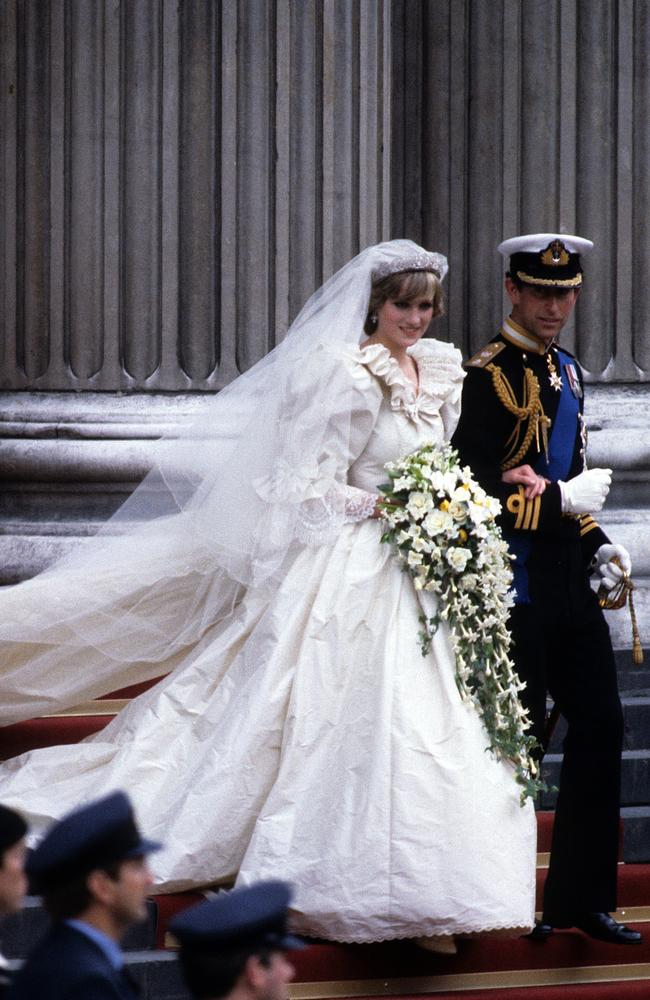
(401, 322)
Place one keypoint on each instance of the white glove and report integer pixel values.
(610, 573)
(585, 493)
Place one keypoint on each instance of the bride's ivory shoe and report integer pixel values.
(443, 944)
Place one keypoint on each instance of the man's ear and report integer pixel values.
(512, 290)
(101, 886)
(254, 972)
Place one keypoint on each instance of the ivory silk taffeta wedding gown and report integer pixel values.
(306, 737)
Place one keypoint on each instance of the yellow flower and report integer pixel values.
(462, 534)
(444, 505)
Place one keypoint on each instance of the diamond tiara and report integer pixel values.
(420, 260)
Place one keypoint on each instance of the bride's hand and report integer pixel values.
(382, 504)
(526, 476)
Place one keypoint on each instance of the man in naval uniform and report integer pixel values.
(521, 431)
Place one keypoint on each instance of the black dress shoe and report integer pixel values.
(540, 932)
(602, 927)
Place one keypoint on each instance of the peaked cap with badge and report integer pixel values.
(546, 259)
(252, 917)
(100, 833)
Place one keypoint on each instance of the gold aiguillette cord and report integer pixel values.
(612, 600)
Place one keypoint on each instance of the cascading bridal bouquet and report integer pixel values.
(444, 532)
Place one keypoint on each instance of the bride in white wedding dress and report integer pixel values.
(299, 733)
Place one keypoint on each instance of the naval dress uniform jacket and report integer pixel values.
(68, 965)
(522, 404)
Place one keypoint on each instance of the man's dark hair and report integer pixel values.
(74, 897)
(214, 975)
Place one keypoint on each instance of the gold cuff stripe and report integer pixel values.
(557, 282)
(527, 511)
(587, 527)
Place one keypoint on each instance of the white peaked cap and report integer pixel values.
(536, 242)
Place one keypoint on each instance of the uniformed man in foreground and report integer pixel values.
(235, 945)
(91, 869)
(13, 880)
(522, 432)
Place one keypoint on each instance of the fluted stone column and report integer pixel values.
(176, 179)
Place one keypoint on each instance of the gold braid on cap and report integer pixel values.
(532, 411)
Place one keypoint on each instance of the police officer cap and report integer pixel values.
(252, 917)
(93, 836)
(546, 259)
(12, 828)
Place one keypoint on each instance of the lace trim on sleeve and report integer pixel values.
(320, 518)
(359, 505)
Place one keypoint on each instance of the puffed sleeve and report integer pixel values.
(441, 375)
(341, 402)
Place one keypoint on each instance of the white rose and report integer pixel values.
(438, 522)
(414, 558)
(458, 558)
(478, 512)
(419, 504)
(457, 510)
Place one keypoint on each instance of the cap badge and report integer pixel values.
(555, 255)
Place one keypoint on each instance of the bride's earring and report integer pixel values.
(374, 319)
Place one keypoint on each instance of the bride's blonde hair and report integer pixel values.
(405, 285)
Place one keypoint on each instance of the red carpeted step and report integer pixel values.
(616, 990)
(404, 969)
(59, 729)
(633, 886)
(132, 691)
(48, 732)
(168, 906)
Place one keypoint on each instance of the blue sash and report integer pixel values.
(563, 436)
(560, 452)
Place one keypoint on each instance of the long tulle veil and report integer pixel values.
(218, 512)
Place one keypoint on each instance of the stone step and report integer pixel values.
(158, 975)
(636, 711)
(632, 676)
(635, 778)
(636, 833)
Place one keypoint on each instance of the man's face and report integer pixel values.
(128, 897)
(543, 311)
(273, 979)
(13, 881)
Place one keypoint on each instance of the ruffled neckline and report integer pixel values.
(440, 374)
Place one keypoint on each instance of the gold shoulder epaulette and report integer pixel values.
(485, 355)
